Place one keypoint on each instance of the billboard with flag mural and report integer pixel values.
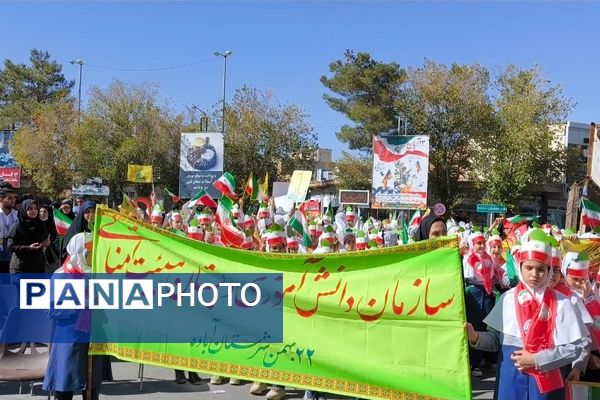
(353, 323)
(200, 163)
(400, 171)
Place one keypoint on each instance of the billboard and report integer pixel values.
(91, 187)
(400, 170)
(355, 197)
(11, 175)
(201, 163)
(6, 159)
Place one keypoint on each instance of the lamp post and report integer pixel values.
(224, 55)
(80, 62)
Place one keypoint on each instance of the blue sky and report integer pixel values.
(286, 46)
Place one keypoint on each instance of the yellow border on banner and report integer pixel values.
(330, 385)
(583, 383)
(266, 375)
(417, 247)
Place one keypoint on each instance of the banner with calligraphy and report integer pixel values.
(400, 172)
(200, 163)
(382, 324)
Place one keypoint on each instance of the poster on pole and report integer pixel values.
(400, 170)
(299, 185)
(201, 163)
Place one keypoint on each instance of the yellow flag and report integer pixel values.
(139, 173)
(264, 189)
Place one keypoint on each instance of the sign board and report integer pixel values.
(12, 176)
(299, 185)
(280, 189)
(200, 163)
(355, 197)
(91, 187)
(491, 208)
(6, 158)
(313, 207)
(439, 209)
(400, 172)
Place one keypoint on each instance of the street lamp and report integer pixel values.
(80, 62)
(224, 55)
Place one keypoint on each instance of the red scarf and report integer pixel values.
(484, 269)
(593, 308)
(537, 322)
(562, 288)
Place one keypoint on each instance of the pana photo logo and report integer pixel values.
(132, 294)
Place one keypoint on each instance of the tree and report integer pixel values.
(265, 137)
(367, 91)
(522, 154)
(354, 171)
(125, 124)
(42, 147)
(449, 104)
(23, 88)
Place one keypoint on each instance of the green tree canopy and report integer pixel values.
(354, 171)
(262, 136)
(450, 104)
(126, 124)
(366, 92)
(521, 154)
(24, 87)
(43, 148)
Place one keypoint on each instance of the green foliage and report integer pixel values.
(125, 124)
(43, 149)
(367, 91)
(449, 104)
(24, 87)
(521, 154)
(354, 171)
(262, 136)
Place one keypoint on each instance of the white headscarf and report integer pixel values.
(77, 252)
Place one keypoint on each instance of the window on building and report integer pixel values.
(586, 140)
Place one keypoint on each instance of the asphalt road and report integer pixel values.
(159, 384)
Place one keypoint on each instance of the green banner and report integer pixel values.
(383, 324)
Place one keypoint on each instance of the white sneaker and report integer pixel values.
(276, 393)
(216, 380)
(258, 388)
(476, 372)
(235, 381)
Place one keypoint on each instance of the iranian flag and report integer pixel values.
(415, 220)
(299, 223)
(62, 222)
(257, 191)
(202, 199)
(226, 185)
(174, 198)
(517, 219)
(230, 234)
(590, 213)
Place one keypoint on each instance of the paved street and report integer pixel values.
(158, 384)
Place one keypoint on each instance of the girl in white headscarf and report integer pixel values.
(536, 329)
(68, 363)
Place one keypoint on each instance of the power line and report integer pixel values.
(152, 69)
